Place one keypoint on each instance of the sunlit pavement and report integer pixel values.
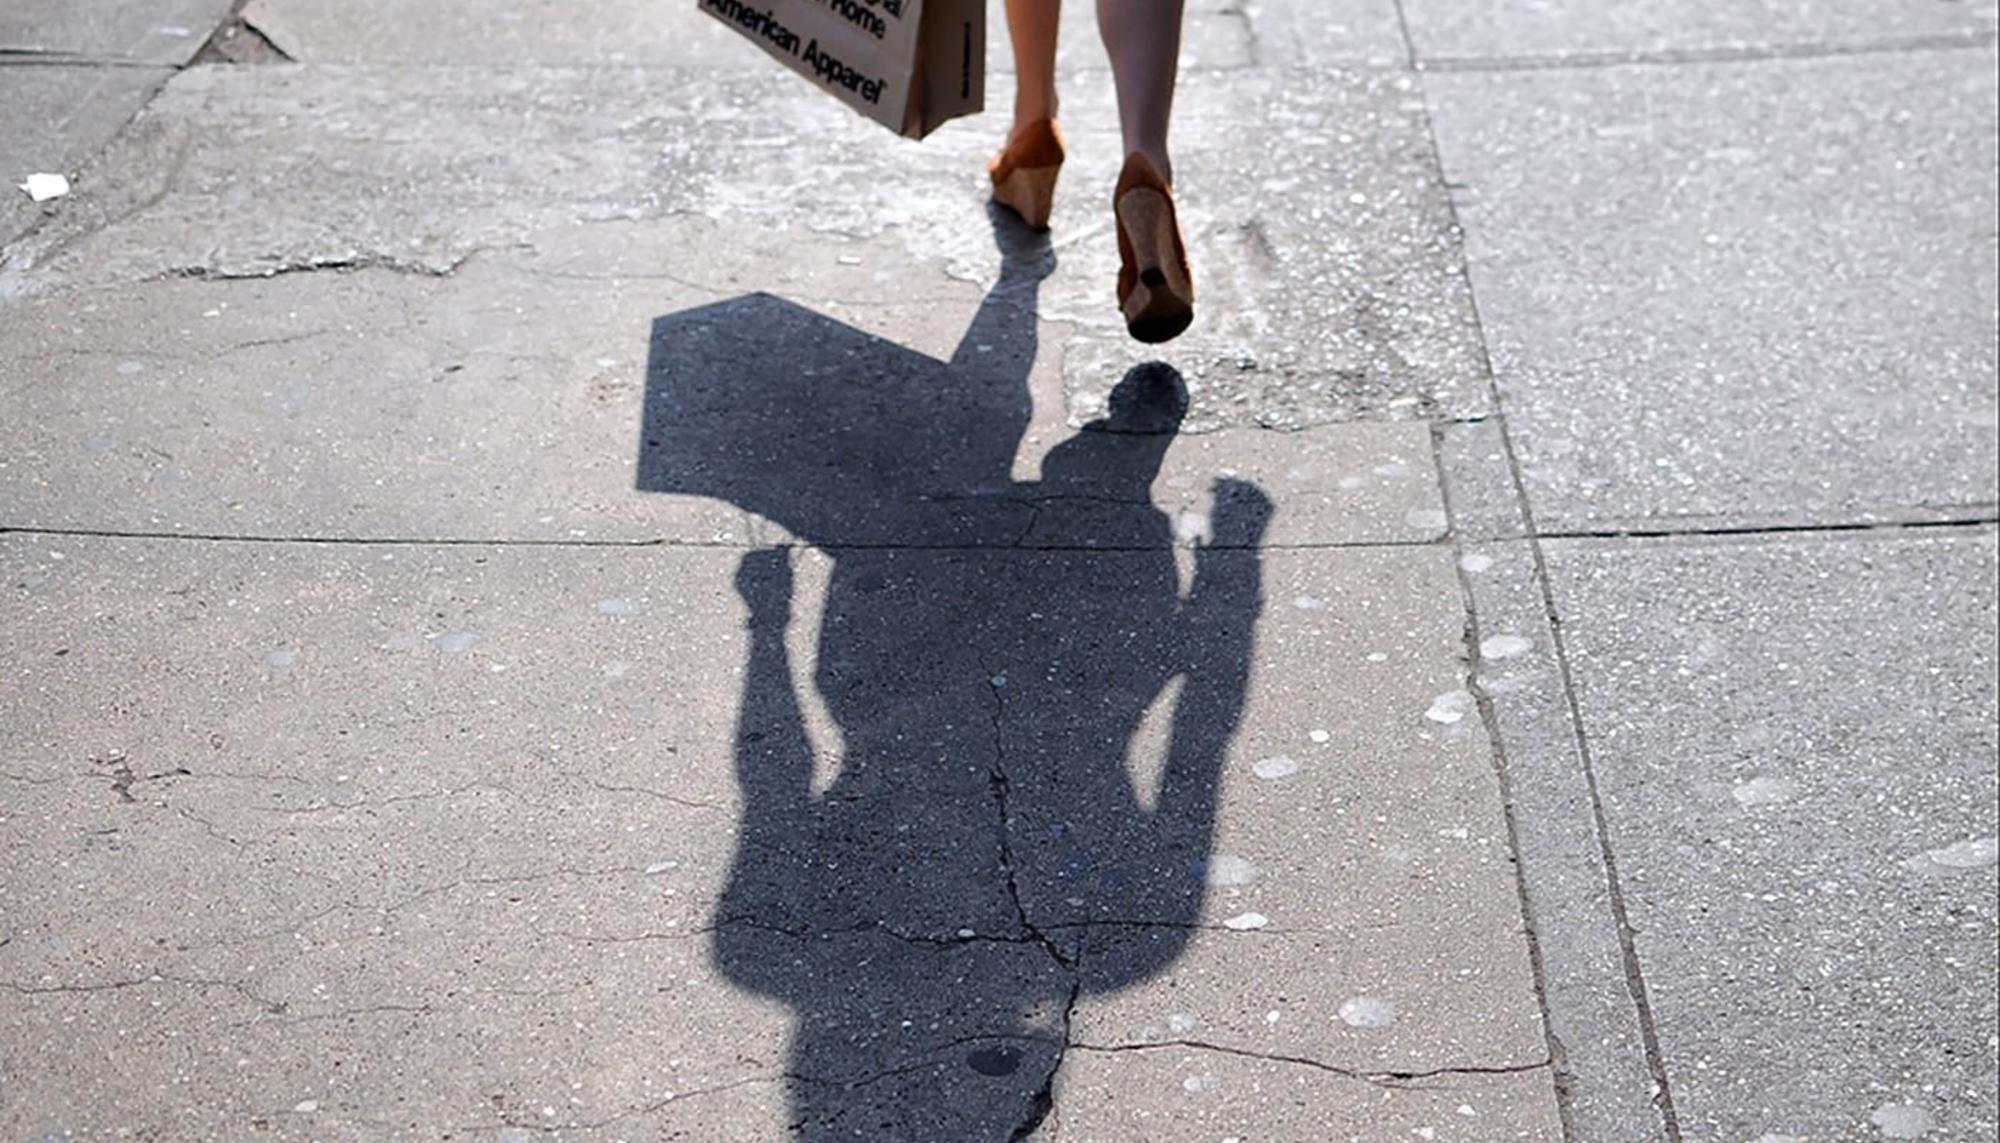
(558, 582)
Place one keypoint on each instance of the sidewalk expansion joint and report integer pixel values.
(1392, 1080)
(1440, 541)
(44, 57)
(1726, 54)
(1979, 516)
(1661, 1096)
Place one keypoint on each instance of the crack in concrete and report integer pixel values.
(877, 928)
(314, 265)
(1043, 1101)
(151, 980)
(652, 1108)
(674, 799)
(1390, 1079)
(337, 1014)
(392, 800)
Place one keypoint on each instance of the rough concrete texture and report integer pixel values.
(1313, 33)
(1477, 33)
(1704, 316)
(204, 413)
(1178, 1094)
(165, 32)
(1216, 34)
(1603, 1062)
(57, 118)
(1330, 279)
(556, 584)
(392, 799)
(1795, 743)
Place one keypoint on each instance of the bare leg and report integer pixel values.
(1143, 38)
(1032, 25)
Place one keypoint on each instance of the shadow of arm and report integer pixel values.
(1217, 637)
(773, 755)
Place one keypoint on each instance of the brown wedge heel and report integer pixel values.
(1024, 172)
(1155, 285)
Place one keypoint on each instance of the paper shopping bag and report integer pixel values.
(909, 65)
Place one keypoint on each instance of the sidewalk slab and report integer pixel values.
(1604, 1067)
(167, 32)
(1738, 295)
(1309, 33)
(1186, 1095)
(488, 826)
(57, 118)
(1215, 34)
(1794, 742)
(543, 394)
(1330, 274)
(1471, 32)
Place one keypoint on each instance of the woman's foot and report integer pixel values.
(1024, 172)
(1155, 286)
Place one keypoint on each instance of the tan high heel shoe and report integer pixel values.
(1155, 286)
(1024, 172)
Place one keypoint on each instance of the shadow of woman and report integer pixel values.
(1004, 660)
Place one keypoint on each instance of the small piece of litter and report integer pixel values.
(1247, 922)
(1764, 792)
(1320, 736)
(1505, 647)
(659, 867)
(1476, 563)
(1228, 871)
(1903, 1121)
(1967, 854)
(1451, 706)
(1194, 1085)
(455, 642)
(43, 187)
(966, 934)
(1273, 768)
(306, 1105)
(1367, 1012)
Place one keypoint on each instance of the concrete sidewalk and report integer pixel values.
(557, 582)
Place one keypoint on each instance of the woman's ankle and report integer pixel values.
(1028, 112)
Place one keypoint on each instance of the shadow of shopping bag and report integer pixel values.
(909, 65)
(834, 434)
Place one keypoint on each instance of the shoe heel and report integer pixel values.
(1029, 192)
(1159, 304)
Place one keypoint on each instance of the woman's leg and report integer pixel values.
(1143, 38)
(1032, 24)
